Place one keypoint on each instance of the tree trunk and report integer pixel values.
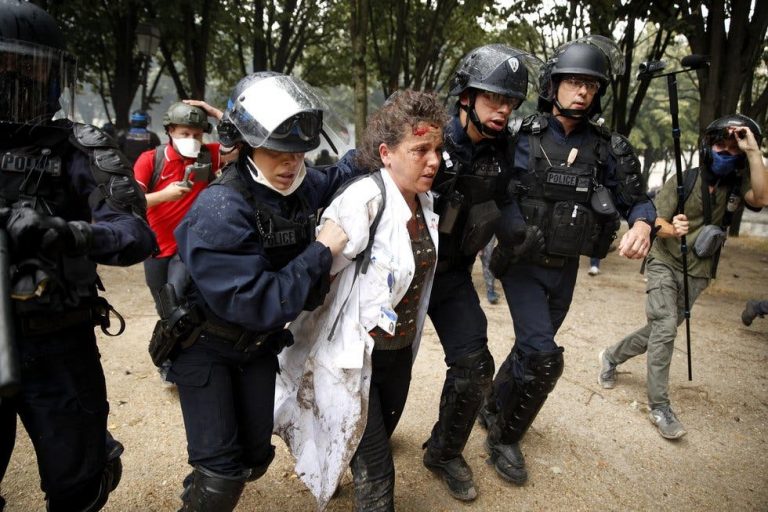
(358, 33)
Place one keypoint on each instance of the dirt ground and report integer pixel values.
(589, 448)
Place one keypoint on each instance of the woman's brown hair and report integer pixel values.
(403, 111)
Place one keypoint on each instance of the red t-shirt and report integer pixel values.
(164, 217)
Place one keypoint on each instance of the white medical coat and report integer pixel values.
(321, 396)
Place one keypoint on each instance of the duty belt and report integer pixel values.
(545, 260)
(47, 322)
(38, 324)
(249, 341)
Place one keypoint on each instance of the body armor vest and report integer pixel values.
(136, 142)
(467, 200)
(34, 173)
(564, 194)
(284, 235)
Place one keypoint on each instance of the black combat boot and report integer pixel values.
(466, 382)
(206, 491)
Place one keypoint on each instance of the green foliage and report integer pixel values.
(210, 44)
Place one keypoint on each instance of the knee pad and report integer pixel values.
(543, 370)
(521, 399)
(467, 382)
(472, 371)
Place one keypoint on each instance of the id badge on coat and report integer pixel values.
(387, 320)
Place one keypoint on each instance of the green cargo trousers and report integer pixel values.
(665, 311)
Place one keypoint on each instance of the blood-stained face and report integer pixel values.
(413, 162)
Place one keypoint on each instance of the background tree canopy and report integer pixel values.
(363, 50)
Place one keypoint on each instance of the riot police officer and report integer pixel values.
(68, 201)
(139, 138)
(574, 179)
(250, 248)
(490, 83)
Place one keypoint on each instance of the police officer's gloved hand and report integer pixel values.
(32, 232)
(532, 244)
(501, 258)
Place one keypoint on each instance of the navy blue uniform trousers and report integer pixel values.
(538, 299)
(63, 406)
(227, 399)
(455, 311)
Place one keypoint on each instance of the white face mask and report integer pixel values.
(187, 146)
(259, 178)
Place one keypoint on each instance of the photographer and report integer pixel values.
(172, 176)
(732, 170)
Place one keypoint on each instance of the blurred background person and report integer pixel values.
(138, 138)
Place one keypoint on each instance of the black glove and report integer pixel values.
(32, 233)
(533, 243)
(503, 256)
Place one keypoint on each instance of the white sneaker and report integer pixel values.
(593, 271)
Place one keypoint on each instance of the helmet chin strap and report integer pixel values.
(571, 113)
(479, 126)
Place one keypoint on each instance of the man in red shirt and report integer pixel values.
(172, 177)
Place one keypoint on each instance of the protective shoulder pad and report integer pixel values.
(535, 123)
(602, 131)
(111, 171)
(89, 136)
(620, 145)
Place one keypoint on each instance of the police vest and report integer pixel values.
(33, 173)
(467, 199)
(284, 235)
(135, 143)
(564, 194)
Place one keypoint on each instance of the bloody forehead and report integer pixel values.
(422, 129)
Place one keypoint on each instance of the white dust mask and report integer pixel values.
(259, 178)
(187, 146)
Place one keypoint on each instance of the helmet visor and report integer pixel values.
(36, 83)
(279, 107)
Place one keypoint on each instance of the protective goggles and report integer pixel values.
(304, 125)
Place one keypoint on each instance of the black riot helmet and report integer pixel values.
(495, 68)
(592, 56)
(718, 130)
(273, 111)
(37, 75)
